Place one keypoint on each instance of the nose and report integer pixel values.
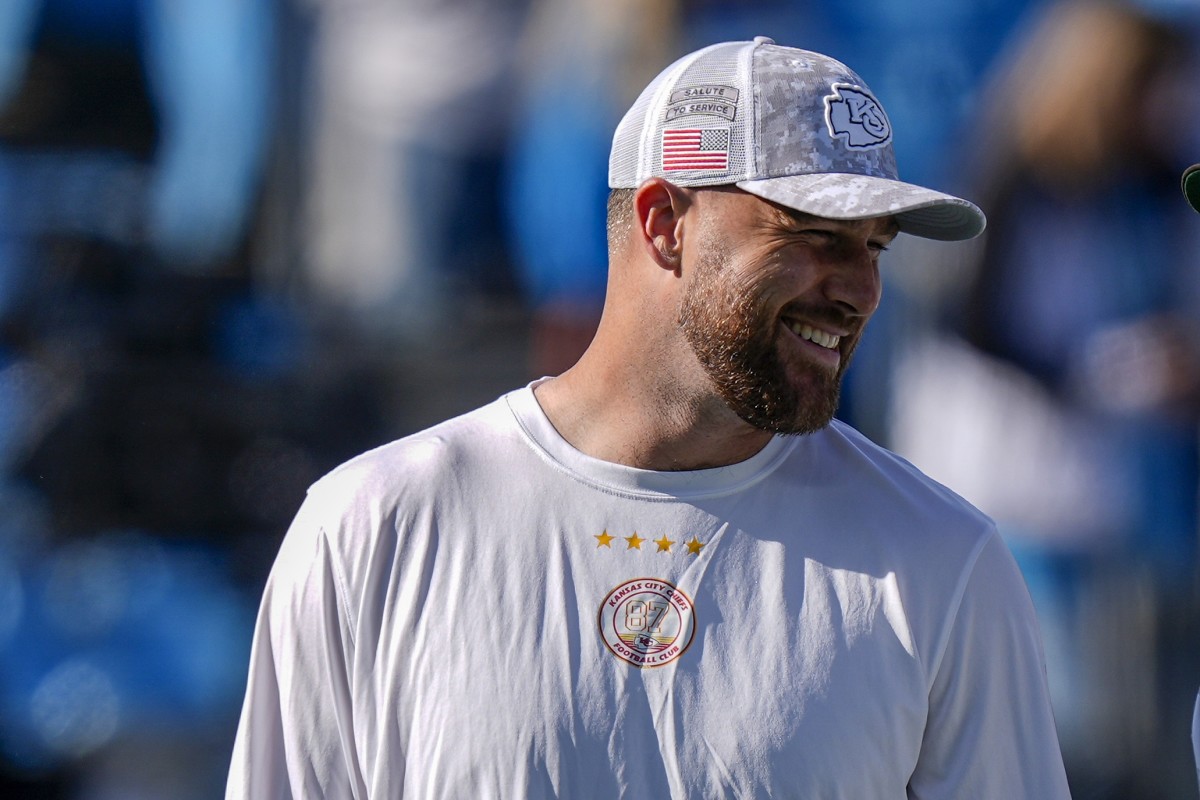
(853, 280)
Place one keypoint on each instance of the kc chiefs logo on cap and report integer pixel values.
(853, 114)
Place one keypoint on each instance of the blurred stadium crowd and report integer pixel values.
(243, 240)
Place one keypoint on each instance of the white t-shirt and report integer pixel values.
(482, 611)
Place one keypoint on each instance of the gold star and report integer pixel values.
(635, 541)
(664, 544)
(694, 546)
(604, 539)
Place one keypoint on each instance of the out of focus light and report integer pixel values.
(25, 523)
(260, 336)
(32, 396)
(12, 600)
(112, 636)
(18, 397)
(75, 709)
(93, 586)
(87, 589)
(269, 478)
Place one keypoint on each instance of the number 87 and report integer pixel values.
(645, 615)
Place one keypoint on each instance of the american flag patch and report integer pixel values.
(695, 149)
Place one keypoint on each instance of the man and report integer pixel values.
(667, 572)
(1190, 183)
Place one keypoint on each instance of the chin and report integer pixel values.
(795, 411)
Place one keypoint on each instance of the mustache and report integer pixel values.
(827, 314)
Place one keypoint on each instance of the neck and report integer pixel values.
(608, 409)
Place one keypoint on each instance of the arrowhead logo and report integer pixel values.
(855, 116)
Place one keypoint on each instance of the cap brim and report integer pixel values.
(918, 211)
(1191, 185)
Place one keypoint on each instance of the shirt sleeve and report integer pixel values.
(990, 732)
(1196, 734)
(295, 738)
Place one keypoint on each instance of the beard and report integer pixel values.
(734, 336)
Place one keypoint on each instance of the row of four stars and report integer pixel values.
(634, 542)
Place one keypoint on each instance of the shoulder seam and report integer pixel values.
(955, 606)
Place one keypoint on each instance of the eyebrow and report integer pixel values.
(802, 218)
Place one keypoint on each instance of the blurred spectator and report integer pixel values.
(133, 139)
(411, 103)
(92, 89)
(582, 63)
(1078, 357)
(154, 422)
(927, 59)
(163, 403)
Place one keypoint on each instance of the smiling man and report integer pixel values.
(669, 572)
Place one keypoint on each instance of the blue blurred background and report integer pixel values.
(243, 240)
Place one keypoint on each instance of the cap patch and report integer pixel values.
(718, 101)
(852, 114)
(697, 149)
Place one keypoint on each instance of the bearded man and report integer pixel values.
(669, 572)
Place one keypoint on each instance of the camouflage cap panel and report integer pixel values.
(795, 87)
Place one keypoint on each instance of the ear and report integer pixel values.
(660, 206)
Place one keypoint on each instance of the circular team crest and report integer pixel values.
(647, 622)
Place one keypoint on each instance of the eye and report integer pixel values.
(820, 235)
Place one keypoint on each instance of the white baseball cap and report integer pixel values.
(791, 126)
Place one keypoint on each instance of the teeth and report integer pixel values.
(808, 332)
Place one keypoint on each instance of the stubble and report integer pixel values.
(734, 335)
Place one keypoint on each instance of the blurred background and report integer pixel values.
(244, 240)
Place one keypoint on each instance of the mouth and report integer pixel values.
(815, 335)
(819, 343)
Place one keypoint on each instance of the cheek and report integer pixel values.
(751, 300)
(768, 282)
(797, 270)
